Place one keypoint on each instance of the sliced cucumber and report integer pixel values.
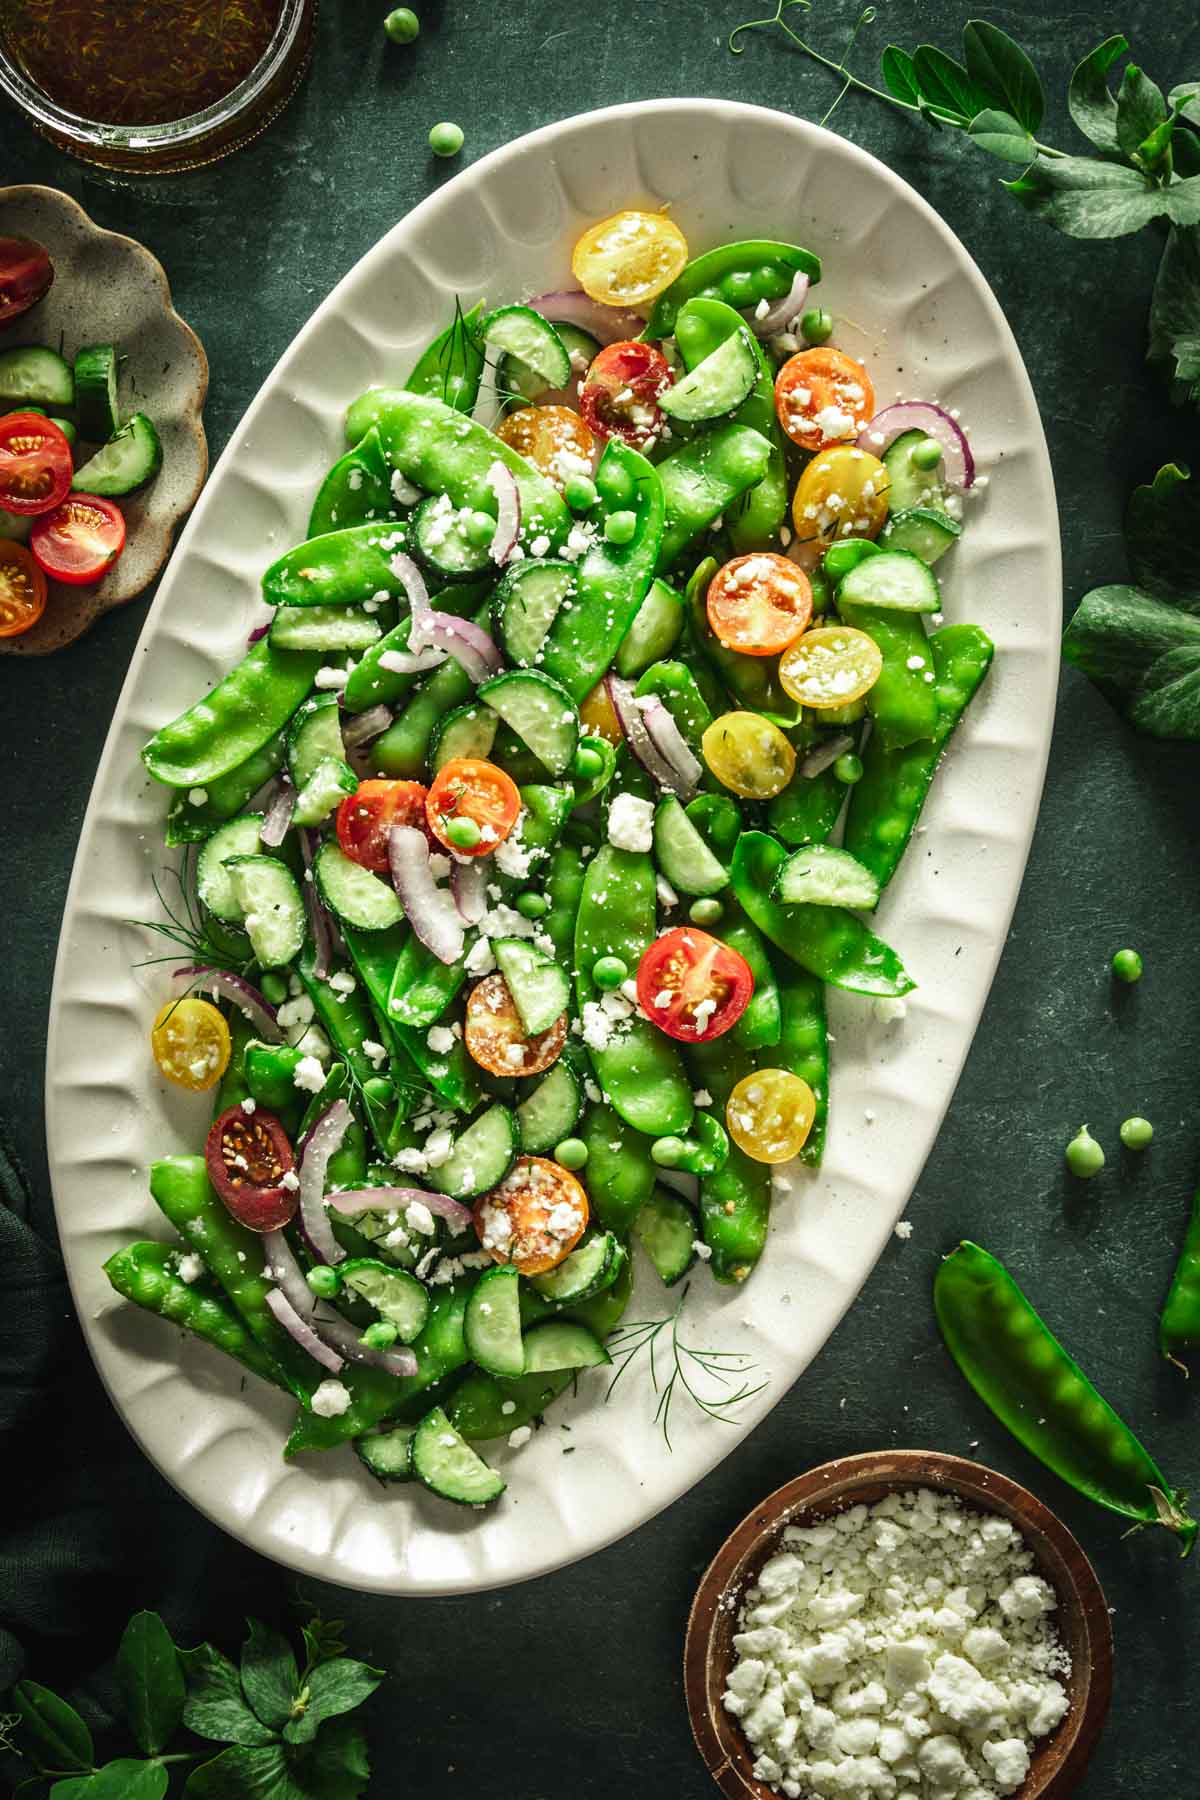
(466, 731)
(352, 893)
(718, 819)
(326, 787)
(314, 736)
(273, 912)
(682, 854)
(717, 385)
(127, 461)
(667, 1229)
(444, 539)
(525, 334)
(214, 883)
(323, 628)
(482, 1407)
(96, 407)
(493, 1322)
(388, 1454)
(552, 1111)
(482, 1156)
(540, 988)
(593, 1266)
(526, 604)
(448, 1466)
(561, 1345)
(514, 376)
(894, 579)
(654, 632)
(909, 486)
(35, 376)
(922, 531)
(396, 1296)
(823, 875)
(540, 711)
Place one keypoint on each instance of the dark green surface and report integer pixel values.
(250, 247)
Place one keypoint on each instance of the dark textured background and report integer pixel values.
(571, 1684)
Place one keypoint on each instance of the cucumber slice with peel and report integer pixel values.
(398, 1297)
(214, 882)
(388, 1454)
(493, 1322)
(444, 539)
(314, 736)
(33, 376)
(895, 579)
(717, 385)
(540, 711)
(448, 1466)
(682, 855)
(323, 628)
(562, 1345)
(823, 875)
(96, 392)
(590, 1268)
(923, 531)
(131, 456)
(328, 785)
(909, 486)
(352, 893)
(527, 602)
(482, 1156)
(516, 377)
(273, 912)
(540, 989)
(519, 331)
(667, 1229)
(552, 1111)
(467, 731)
(654, 632)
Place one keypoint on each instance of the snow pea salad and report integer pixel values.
(508, 845)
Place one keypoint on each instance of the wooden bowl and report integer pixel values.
(1082, 1619)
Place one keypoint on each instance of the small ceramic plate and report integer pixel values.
(110, 290)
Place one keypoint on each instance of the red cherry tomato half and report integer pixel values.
(25, 275)
(366, 816)
(692, 986)
(248, 1156)
(468, 788)
(620, 396)
(35, 463)
(80, 540)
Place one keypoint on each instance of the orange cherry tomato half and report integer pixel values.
(553, 438)
(693, 987)
(468, 788)
(35, 463)
(621, 393)
(823, 396)
(80, 540)
(22, 589)
(759, 604)
(366, 816)
(496, 1038)
(25, 274)
(534, 1218)
(247, 1156)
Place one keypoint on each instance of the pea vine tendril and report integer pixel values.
(778, 18)
(724, 1367)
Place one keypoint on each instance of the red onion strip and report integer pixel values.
(607, 324)
(935, 422)
(503, 484)
(353, 1202)
(780, 314)
(234, 988)
(345, 1337)
(430, 910)
(469, 644)
(320, 925)
(636, 735)
(323, 1140)
(820, 759)
(274, 827)
(362, 727)
(302, 1331)
(668, 740)
(333, 1334)
(468, 884)
(406, 571)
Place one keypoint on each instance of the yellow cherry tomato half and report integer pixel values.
(553, 438)
(598, 717)
(830, 666)
(748, 755)
(191, 1043)
(842, 493)
(629, 259)
(770, 1114)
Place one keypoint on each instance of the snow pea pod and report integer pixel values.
(402, 751)
(702, 478)
(270, 1071)
(564, 885)
(372, 685)
(451, 1075)
(338, 569)
(761, 1023)
(637, 1066)
(451, 368)
(619, 1174)
(147, 1274)
(886, 804)
(349, 1023)
(483, 1406)
(675, 685)
(1023, 1374)
(232, 1088)
(234, 720)
(803, 1046)
(735, 1202)
(356, 490)
(807, 810)
(422, 986)
(612, 579)
(224, 796)
(1179, 1326)
(740, 274)
(828, 941)
(752, 680)
(754, 520)
(902, 702)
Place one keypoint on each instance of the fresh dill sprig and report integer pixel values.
(725, 1367)
(187, 929)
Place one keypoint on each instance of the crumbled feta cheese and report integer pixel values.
(890, 1009)
(376, 1052)
(440, 1039)
(631, 823)
(332, 679)
(702, 1097)
(331, 1400)
(479, 959)
(309, 1075)
(290, 1180)
(342, 981)
(518, 1438)
(249, 1104)
(702, 1250)
(191, 1267)
(418, 1216)
(198, 797)
(508, 1406)
(902, 1229)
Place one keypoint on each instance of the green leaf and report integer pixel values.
(243, 1772)
(1162, 536)
(1088, 199)
(215, 1706)
(1140, 107)
(1000, 135)
(896, 67)
(1185, 100)
(1001, 70)
(270, 1678)
(336, 1767)
(322, 1639)
(150, 1682)
(333, 1688)
(60, 1738)
(946, 86)
(1154, 152)
(1175, 315)
(1143, 655)
(1092, 106)
(75, 1787)
(126, 1779)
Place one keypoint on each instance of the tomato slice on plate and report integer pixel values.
(25, 274)
(823, 396)
(22, 589)
(629, 259)
(190, 1043)
(366, 816)
(693, 987)
(534, 1218)
(620, 396)
(80, 540)
(759, 604)
(553, 438)
(35, 463)
(248, 1158)
(770, 1114)
(496, 1038)
(467, 788)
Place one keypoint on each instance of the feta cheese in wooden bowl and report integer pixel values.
(901, 1625)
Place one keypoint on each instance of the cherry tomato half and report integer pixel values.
(759, 604)
(842, 493)
(191, 1043)
(832, 666)
(598, 715)
(749, 754)
(35, 463)
(25, 275)
(534, 1218)
(770, 1114)
(366, 816)
(620, 396)
(22, 589)
(80, 540)
(248, 1156)
(629, 259)
(468, 788)
(496, 1038)
(553, 438)
(693, 987)
(823, 397)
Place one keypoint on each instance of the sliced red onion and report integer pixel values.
(323, 1140)
(364, 726)
(320, 925)
(820, 759)
(283, 1268)
(201, 978)
(302, 1331)
(629, 713)
(607, 324)
(468, 884)
(345, 1338)
(413, 662)
(668, 740)
(935, 422)
(780, 313)
(353, 1202)
(503, 484)
(430, 910)
(295, 1299)
(469, 644)
(274, 827)
(406, 571)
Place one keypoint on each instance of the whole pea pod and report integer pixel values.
(762, 1022)
(735, 1202)
(371, 684)
(452, 1075)
(1179, 1326)
(451, 368)
(147, 1274)
(739, 274)
(902, 701)
(224, 795)
(704, 477)
(807, 809)
(620, 1174)
(234, 720)
(564, 885)
(754, 520)
(342, 568)
(1023, 1374)
(803, 1047)
(356, 490)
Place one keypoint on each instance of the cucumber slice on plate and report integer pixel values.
(895, 579)
(540, 988)
(667, 1229)
(127, 461)
(396, 1296)
(273, 912)
(493, 1322)
(96, 392)
(326, 788)
(823, 875)
(519, 331)
(590, 1268)
(922, 531)
(540, 711)
(482, 1156)
(552, 1111)
(352, 893)
(443, 539)
(214, 882)
(467, 731)
(516, 377)
(561, 1345)
(35, 376)
(314, 736)
(324, 628)
(717, 385)
(388, 1454)
(681, 853)
(448, 1466)
(654, 632)
(527, 602)
(909, 486)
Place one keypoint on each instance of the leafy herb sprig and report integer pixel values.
(1146, 170)
(684, 1363)
(285, 1727)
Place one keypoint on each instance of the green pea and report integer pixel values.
(668, 1152)
(926, 454)
(324, 1281)
(572, 1153)
(816, 325)
(1127, 966)
(609, 971)
(1136, 1133)
(619, 527)
(446, 139)
(579, 492)
(532, 906)
(587, 763)
(848, 768)
(380, 1336)
(379, 1089)
(402, 25)
(273, 987)
(706, 912)
(737, 289)
(463, 833)
(479, 528)
(617, 483)
(1085, 1158)
(845, 555)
